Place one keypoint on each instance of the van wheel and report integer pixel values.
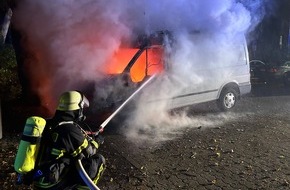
(227, 99)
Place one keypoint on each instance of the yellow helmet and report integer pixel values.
(72, 100)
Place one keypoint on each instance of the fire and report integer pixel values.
(148, 63)
(120, 60)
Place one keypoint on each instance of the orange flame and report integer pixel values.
(149, 63)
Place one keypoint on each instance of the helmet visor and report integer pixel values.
(85, 102)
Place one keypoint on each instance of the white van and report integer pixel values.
(225, 82)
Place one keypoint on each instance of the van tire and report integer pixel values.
(228, 99)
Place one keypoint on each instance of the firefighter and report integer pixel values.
(64, 142)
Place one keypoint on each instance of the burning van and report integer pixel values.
(160, 69)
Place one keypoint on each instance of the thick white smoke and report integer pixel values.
(72, 39)
(221, 28)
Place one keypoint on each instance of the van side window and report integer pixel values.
(155, 61)
(240, 55)
(148, 63)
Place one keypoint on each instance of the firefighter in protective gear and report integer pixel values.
(65, 141)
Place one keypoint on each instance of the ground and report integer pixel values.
(247, 150)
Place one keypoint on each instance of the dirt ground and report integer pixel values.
(248, 151)
(238, 155)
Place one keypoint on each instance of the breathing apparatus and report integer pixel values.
(28, 147)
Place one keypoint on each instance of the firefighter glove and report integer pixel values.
(99, 139)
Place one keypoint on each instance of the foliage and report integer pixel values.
(10, 88)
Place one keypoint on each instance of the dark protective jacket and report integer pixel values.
(64, 141)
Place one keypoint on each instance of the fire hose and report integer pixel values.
(82, 172)
(103, 125)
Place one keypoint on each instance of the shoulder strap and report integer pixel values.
(76, 124)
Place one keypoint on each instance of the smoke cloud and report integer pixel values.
(72, 40)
